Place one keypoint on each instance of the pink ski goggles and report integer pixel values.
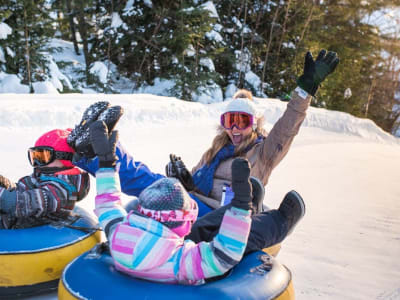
(239, 119)
(171, 215)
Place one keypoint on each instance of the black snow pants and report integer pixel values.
(267, 228)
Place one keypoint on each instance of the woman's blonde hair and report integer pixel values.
(222, 138)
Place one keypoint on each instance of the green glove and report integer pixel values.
(316, 71)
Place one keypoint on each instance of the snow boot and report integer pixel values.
(89, 116)
(293, 209)
(110, 116)
(258, 194)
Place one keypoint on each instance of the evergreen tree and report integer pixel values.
(31, 30)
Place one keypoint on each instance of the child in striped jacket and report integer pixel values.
(148, 242)
(50, 192)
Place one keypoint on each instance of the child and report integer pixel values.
(52, 189)
(149, 242)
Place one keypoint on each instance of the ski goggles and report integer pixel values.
(171, 215)
(43, 155)
(239, 119)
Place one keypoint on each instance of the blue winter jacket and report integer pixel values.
(134, 175)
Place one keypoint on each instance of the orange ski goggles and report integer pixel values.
(44, 155)
(239, 119)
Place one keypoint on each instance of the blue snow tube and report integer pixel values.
(32, 259)
(93, 276)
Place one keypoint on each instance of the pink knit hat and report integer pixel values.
(57, 139)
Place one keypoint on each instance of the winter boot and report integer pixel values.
(110, 116)
(258, 194)
(293, 209)
(90, 114)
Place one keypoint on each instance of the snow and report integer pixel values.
(230, 90)
(10, 83)
(100, 70)
(387, 20)
(253, 80)
(160, 87)
(2, 57)
(116, 21)
(214, 36)
(44, 87)
(289, 45)
(5, 31)
(209, 5)
(10, 52)
(346, 169)
(210, 94)
(148, 3)
(208, 63)
(190, 51)
(347, 93)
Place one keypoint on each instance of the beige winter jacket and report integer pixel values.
(265, 156)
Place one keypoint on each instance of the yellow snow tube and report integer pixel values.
(32, 259)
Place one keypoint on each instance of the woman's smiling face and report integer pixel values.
(237, 136)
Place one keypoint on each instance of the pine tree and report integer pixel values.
(31, 30)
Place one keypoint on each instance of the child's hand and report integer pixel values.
(241, 185)
(6, 183)
(103, 144)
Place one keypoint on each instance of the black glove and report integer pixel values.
(79, 138)
(6, 183)
(89, 116)
(103, 144)
(241, 185)
(316, 71)
(177, 169)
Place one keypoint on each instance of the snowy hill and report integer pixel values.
(347, 170)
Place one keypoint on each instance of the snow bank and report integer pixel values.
(40, 110)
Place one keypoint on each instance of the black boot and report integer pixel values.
(90, 114)
(110, 116)
(293, 209)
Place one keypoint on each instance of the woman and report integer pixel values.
(241, 134)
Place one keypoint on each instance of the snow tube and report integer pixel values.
(93, 276)
(32, 259)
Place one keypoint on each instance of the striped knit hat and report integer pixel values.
(167, 201)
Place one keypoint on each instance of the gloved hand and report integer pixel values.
(6, 183)
(241, 185)
(7, 196)
(316, 71)
(177, 169)
(89, 116)
(79, 138)
(103, 144)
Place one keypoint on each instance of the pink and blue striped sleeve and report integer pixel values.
(210, 259)
(108, 206)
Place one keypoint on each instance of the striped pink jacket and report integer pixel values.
(144, 248)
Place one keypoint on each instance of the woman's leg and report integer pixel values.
(267, 228)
